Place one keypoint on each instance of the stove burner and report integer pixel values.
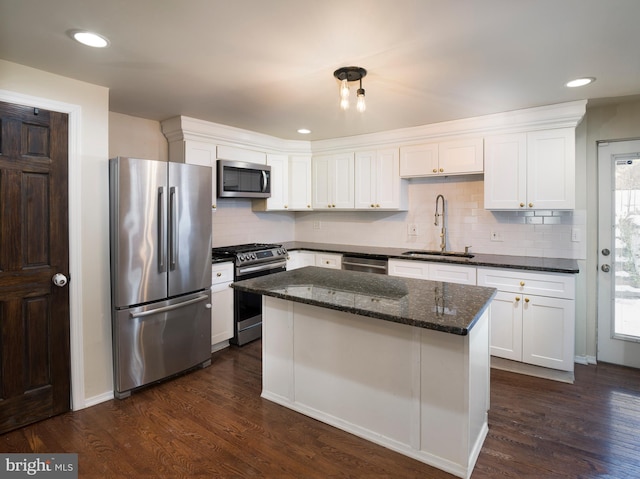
(251, 253)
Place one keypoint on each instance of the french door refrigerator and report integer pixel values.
(160, 235)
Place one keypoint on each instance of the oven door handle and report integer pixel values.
(261, 267)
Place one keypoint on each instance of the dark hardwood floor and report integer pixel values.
(212, 423)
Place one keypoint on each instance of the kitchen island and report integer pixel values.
(401, 362)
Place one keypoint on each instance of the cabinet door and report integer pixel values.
(343, 181)
(300, 183)
(299, 259)
(461, 157)
(279, 199)
(365, 180)
(203, 154)
(419, 160)
(548, 332)
(321, 191)
(389, 185)
(221, 314)
(505, 319)
(551, 169)
(505, 172)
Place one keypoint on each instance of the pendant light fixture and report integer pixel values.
(346, 75)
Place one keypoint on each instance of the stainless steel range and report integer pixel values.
(251, 260)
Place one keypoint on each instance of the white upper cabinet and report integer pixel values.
(333, 181)
(377, 181)
(300, 183)
(290, 184)
(240, 154)
(279, 199)
(197, 153)
(534, 170)
(455, 157)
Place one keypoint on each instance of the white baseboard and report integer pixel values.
(100, 398)
(586, 360)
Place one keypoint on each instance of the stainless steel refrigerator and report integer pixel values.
(160, 228)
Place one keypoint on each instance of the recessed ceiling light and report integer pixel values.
(89, 38)
(304, 131)
(580, 82)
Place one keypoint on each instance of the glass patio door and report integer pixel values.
(619, 253)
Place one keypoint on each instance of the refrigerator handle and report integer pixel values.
(162, 250)
(173, 229)
(165, 309)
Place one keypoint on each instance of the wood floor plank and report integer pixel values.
(212, 423)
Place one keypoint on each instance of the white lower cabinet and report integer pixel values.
(447, 272)
(221, 305)
(532, 317)
(299, 259)
(329, 260)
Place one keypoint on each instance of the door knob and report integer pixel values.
(606, 252)
(59, 280)
(606, 268)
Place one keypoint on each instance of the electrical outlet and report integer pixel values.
(412, 229)
(496, 236)
(317, 225)
(576, 235)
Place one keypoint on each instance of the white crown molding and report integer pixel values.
(545, 117)
(185, 128)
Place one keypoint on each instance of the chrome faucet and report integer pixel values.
(443, 232)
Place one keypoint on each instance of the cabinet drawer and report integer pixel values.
(555, 285)
(328, 260)
(452, 273)
(222, 273)
(408, 269)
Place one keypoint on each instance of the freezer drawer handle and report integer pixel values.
(142, 314)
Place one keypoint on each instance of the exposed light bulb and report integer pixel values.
(361, 105)
(344, 103)
(344, 90)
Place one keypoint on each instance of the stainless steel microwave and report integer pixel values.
(238, 179)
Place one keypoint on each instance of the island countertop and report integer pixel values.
(447, 307)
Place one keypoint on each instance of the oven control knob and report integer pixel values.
(253, 256)
(242, 258)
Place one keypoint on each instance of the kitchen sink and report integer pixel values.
(427, 253)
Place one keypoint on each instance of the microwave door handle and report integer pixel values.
(162, 251)
(264, 181)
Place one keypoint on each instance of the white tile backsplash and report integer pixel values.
(524, 233)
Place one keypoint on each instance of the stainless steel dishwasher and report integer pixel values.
(367, 264)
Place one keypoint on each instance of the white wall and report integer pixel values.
(93, 306)
(136, 137)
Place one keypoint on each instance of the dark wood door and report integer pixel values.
(34, 246)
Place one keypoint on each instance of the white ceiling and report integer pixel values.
(267, 65)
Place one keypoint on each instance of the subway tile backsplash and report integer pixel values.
(520, 233)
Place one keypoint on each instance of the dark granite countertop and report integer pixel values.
(451, 308)
(531, 263)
